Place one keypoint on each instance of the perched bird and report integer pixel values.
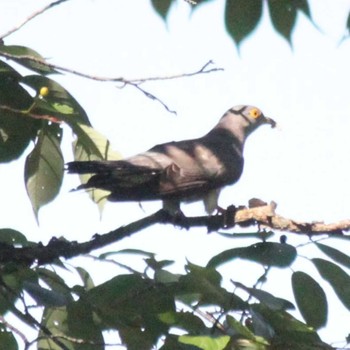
(179, 171)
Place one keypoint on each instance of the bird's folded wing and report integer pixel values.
(150, 175)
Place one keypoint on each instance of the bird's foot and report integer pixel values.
(227, 216)
(177, 218)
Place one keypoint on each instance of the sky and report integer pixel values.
(303, 165)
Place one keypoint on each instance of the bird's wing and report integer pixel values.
(181, 170)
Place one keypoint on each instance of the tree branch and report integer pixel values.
(264, 215)
(132, 82)
(32, 16)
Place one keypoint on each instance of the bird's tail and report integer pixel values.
(90, 167)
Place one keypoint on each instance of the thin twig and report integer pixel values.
(133, 82)
(33, 15)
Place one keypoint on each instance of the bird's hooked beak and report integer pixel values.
(270, 121)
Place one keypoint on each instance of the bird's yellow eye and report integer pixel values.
(255, 113)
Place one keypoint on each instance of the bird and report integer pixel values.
(179, 171)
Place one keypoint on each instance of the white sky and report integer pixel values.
(303, 166)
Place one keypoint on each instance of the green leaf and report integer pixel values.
(283, 15)
(303, 6)
(55, 282)
(58, 102)
(81, 325)
(203, 285)
(311, 299)
(86, 278)
(268, 299)
(285, 325)
(265, 253)
(7, 340)
(127, 251)
(335, 254)
(44, 296)
(336, 277)
(23, 55)
(13, 237)
(126, 298)
(55, 320)
(162, 7)
(91, 145)
(44, 167)
(183, 320)
(17, 129)
(205, 342)
(242, 17)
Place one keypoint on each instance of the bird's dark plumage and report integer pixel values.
(179, 171)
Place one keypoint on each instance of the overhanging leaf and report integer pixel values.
(310, 298)
(44, 167)
(58, 102)
(283, 15)
(265, 253)
(28, 58)
(91, 145)
(267, 298)
(13, 237)
(242, 17)
(162, 7)
(16, 128)
(336, 277)
(335, 254)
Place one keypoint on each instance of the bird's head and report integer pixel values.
(242, 120)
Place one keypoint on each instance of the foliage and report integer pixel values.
(152, 308)
(243, 16)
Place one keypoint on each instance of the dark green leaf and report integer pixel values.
(44, 167)
(265, 253)
(58, 102)
(127, 298)
(13, 237)
(242, 17)
(268, 299)
(86, 278)
(81, 325)
(348, 23)
(162, 7)
(239, 329)
(335, 254)
(303, 6)
(55, 282)
(164, 276)
(286, 326)
(203, 285)
(311, 299)
(183, 320)
(44, 296)
(8, 341)
(336, 277)
(283, 15)
(17, 129)
(28, 58)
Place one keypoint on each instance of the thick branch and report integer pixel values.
(263, 215)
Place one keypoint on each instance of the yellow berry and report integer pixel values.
(44, 91)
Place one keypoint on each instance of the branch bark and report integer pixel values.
(263, 216)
